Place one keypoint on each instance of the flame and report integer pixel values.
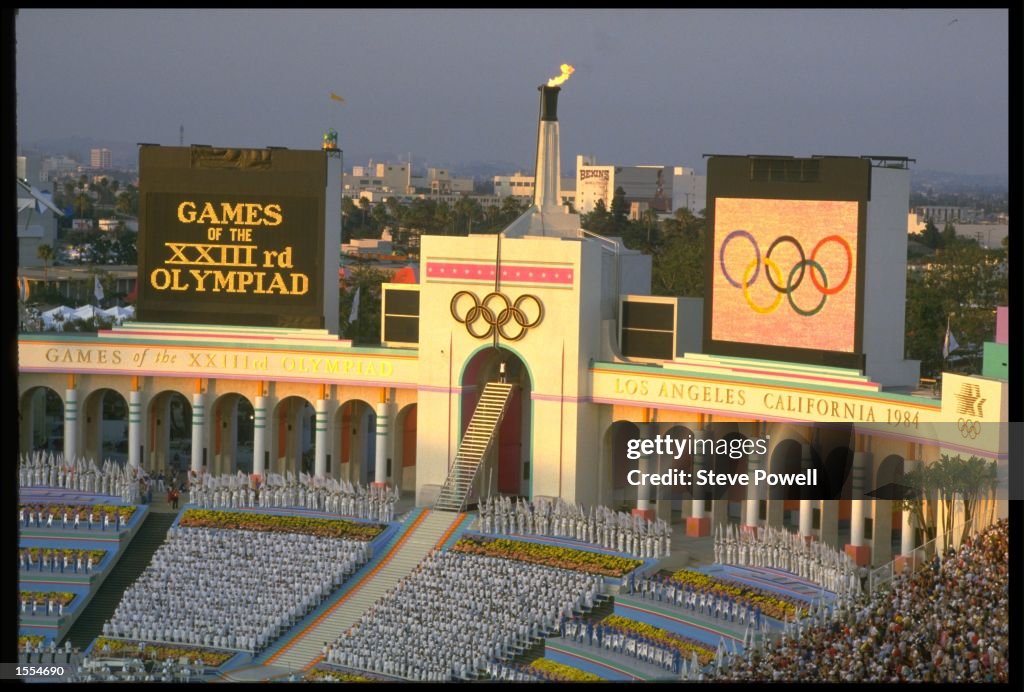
(560, 79)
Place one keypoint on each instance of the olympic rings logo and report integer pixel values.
(968, 428)
(773, 274)
(495, 316)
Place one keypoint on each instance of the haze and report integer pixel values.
(451, 86)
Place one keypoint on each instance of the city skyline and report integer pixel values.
(457, 86)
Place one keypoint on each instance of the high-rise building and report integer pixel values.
(100, 158)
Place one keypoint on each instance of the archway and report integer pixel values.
(679, 494)
(294, 423)
(233, 427)
(41, 412)
(616, 439)
(733, 496)
(105, 426)
(889, 484)
(506, 467)
(169, 433)
(404, 475)
(356, 442)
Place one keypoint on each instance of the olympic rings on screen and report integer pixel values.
(751, 268)
(968, 428)
(789, 285)
(773, 273)
(849, 265)
(496, 317)
(721, 255)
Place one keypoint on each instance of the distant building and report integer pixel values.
(100, 158)
(37, 223)
(392, 178)
(520, 185)
(940, 215)
(54, 167)
(440, 181)
(662, 188)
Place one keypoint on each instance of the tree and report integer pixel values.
(83, 206)
(930, 236)
(949, 237)
(46, 254)
(620, 209)
(124, 204)
(365, 328)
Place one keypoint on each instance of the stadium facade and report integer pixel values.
(799, 340)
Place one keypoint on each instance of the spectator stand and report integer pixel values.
(379, 547)
(83, 585)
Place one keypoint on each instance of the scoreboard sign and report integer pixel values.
(232, 236)
(785, 258)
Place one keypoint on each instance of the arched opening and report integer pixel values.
(105, 426)
(354, 425)
(506, 467)
(786, 458)
(170, 433)
(405, 449)
(888, 484)
(678, 494)
(616, 439)
(734, 495)
(41, 412)
(233, 427)
(294, 424)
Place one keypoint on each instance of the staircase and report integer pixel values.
(476, 442)
(123, 574)
(422, 536)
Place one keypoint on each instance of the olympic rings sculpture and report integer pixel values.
(968, 428)
(773, 273)
(496, 317)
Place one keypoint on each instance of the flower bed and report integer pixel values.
(554, 670)
(684, 645)
(252, 521)
(325, 675)
(126, 511)
(42, 597)
(121, 648)
(550, 555)
(59, 553)
(772, 605)
(32, 640)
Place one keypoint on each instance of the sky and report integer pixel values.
(451, 86)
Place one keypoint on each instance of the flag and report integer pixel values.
(353, 314)
(335, 97)
(949, 344)
(97, 288)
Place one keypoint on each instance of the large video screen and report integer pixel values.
(784, 273)
(232, 244)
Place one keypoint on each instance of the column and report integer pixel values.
(643, 492)
(259, 435)
(70, 424)
(134, 428)
(698, 524)
(754, 462)
(198, 430)
(321, 438)
(382, 444)
(806, 506)
(908, 539)
(856, 548)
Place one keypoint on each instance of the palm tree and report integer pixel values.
(46, 254)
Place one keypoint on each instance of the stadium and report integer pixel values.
(461, 502)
